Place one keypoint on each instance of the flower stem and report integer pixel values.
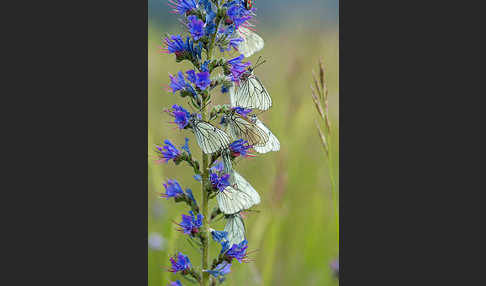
(205, 194)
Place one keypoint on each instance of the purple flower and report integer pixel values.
(237, 251)
(203, 80)
(237, 68)
(196, 27)
(180, 263)
(219, 182)
(182, 6)
(172, 189)
(197, 177)
(185, 147)
(335, 267)
(242, 111)
(190, 195)
(175, 45)
(181, 116)
(190, 224)
(219, 236)
(239, 147)
(177, 83)
(175, 283)
(191, 76)
(238, 14)
(168, 151)
(217, 167)
(221, 270)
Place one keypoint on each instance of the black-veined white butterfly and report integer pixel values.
(251, 43)
(210, 138)
(235, 228)
(250, 93)
(238, 197)
(239, 127)
(272, 144)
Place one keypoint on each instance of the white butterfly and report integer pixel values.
(240, 197)
(235, 229)
(251, 93)
(251, 43)
(272, 144)
(211, 139)
(239, 127)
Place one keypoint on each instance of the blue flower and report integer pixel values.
(168, 151)
(237, 251)
(242, 111)
(221, 270)
(239, 147)
(185, 147)
(181, 116)
(237, 68)
(203, 80)
(335, 267)
(175, 283)
(197, 177)
(210, 26)
(217, 167)
(175, 45)
(180, 263)
(190, 224)
(182, 6)
(237, 13)
(196, 27)
(219, 236)
(190, 195)
(178, 83)
(172, 189)
(194, 51)
(191, 76)
(219, 182)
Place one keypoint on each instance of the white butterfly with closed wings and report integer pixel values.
(251, 43)
(250, 92)
(235, 229)
(210, 138)
(241, 196)
(272, 143)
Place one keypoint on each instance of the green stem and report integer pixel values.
(204, 191)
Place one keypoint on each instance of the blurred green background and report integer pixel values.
(293, 238)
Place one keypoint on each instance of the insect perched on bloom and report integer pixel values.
(250, 43)
(272, 144)
(235, 228)
(209, 138)
(241, 197)
(250, 92)
(240, 127)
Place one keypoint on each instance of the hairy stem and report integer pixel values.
(204, 191)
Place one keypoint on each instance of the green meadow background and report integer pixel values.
(292, 239)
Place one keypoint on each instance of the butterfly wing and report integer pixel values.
(272, 144)
(251, 43)
(239, 127)
(252, 94)
(235, 229)
(228, 166)
(242, 197)
(210, 138)
(245, 187)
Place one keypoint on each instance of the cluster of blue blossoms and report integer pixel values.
(210, 24)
